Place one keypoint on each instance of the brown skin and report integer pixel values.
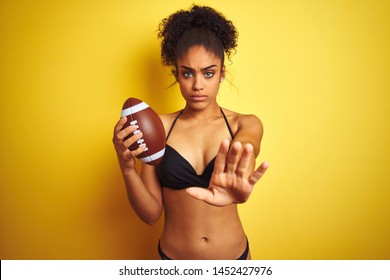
(199, 223)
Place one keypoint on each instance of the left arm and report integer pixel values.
(250, 131)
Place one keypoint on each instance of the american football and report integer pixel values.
(149, 123)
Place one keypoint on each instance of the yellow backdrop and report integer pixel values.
(315, 72)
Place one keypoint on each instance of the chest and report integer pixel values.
(198, 143)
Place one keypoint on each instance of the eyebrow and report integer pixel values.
(202, 69)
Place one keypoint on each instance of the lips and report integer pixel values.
(198, 97)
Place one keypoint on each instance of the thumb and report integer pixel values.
(200, 193)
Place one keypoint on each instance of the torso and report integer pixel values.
(194, 229)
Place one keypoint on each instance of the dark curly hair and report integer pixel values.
(199, 26)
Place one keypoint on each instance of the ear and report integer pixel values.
(174, 72)
(223, 71)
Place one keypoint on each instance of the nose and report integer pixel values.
(197, 84)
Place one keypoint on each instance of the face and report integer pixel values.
(199, 74)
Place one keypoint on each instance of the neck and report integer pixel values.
(212, 110)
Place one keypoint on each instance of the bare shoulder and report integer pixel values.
(242, 121)
(248, 128)
(251, 121)
(168, 119)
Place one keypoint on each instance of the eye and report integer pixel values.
(188, 74)
(209, 74)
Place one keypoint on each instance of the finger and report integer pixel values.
(220, 160)
(118, 128)
(122, 145)
(260, 171)
(127, 154)
(233, 157)
(244, 163)
(131, 140)
(122, 134)
(137, 151)
(119, 125)
(126, 145)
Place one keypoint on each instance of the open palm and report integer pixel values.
(232, 180)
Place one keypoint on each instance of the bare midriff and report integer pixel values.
(194, 229)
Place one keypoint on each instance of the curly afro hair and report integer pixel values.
(199, 26)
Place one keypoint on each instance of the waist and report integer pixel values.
(204, 247)
(198, 228)
(206, 236)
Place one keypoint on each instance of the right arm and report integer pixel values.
(144, 192)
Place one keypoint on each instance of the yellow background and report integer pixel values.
(315, 72)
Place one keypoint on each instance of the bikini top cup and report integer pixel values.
(175, 172)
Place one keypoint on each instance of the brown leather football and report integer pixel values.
(149, 123)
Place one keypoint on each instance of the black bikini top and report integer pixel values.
(175, 172)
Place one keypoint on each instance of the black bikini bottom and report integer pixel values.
(243, 256)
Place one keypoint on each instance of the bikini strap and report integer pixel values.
(227, 123)
(173, 124)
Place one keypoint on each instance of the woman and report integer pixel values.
(209, 162)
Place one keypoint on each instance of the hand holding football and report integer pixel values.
(149, 123)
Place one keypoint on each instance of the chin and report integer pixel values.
(198, 106)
